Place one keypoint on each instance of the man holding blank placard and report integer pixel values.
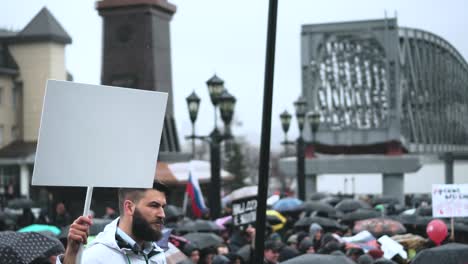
(129, 238)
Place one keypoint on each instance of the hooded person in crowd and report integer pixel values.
(315, 233)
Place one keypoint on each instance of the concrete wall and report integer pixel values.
(7, 113)
(37, 62)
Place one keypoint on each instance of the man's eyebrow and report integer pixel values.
(157, 203)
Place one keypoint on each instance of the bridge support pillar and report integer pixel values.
(393, 186)
(448, 163)
(311, 185)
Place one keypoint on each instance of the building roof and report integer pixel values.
(8, 64)
(5, 33)
(163, 5)
(44, 26)
(18, 149)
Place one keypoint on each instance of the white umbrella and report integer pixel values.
(241, 193)
(272, 199)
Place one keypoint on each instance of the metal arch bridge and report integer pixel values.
(376, 84)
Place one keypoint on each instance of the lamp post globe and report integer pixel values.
(215, 88)
(227, 103)
(313, 118)
(285, 118)
(300, 106)
(193, 104)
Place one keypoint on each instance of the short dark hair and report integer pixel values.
(135, 194)
(274, 245)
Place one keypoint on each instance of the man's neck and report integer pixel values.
(126, 226)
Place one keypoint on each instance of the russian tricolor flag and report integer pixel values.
(196, 196)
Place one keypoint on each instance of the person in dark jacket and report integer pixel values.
(192, 251)
(271, 251)
(61, 218)
(27, 218)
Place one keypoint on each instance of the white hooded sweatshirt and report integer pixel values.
(104, 249)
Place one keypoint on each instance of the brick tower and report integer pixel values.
(137, 52)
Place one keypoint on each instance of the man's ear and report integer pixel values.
(129, 207)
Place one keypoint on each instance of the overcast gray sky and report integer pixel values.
(229, 38)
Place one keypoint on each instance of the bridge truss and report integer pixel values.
(374, 82)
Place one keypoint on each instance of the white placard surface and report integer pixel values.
(450, 200)
(96, 135)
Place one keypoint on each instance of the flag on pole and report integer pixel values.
(194, 192)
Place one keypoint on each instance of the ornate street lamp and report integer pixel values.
(193, 104)
(215, 89)
(285, 118)
(313, 118)
(300, 105)
(226, 102)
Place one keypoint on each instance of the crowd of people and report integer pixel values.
(294, 237)
(325, 227)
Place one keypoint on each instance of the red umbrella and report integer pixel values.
(380, 226)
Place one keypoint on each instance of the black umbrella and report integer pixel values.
(326, 223)
(384, 261)
(319, 207)
(349, 205)
(332, 200)
(452, 253)
(23, 248)
(385, 200)
(317, 196)
(245, 252)
(173, 212)
(396, 209)
(318, 259)
(360, 214)
(424, 211)
(204, 240)
(459, 227)
(199, 226)
(20, 203)
(8, 220)
(415, 220)
(418, 199)
(463, 220)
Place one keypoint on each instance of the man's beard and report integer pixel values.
(143, 230)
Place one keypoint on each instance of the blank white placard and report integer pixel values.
(96, 135)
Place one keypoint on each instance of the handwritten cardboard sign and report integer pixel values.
(244, 211)
(450, 200)
(96, 135)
